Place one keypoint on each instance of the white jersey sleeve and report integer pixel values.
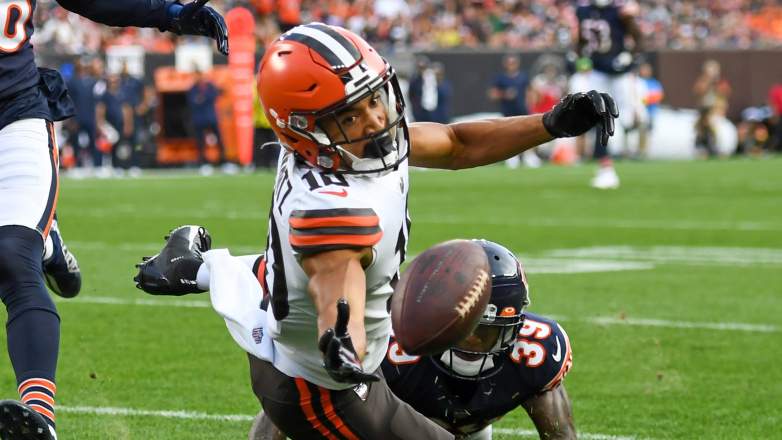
(314, 211)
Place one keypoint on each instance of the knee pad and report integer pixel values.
(21, 274)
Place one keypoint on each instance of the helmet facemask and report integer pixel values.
(473, 358)
(383, 149)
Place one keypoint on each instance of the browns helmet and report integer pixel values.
(311, 74)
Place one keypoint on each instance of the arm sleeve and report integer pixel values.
(138, 13)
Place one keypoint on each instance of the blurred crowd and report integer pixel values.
(429, 24)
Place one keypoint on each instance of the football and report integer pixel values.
(441, 297)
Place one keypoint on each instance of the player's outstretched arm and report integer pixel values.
(475, 143)
(337, 286)
(193, 18)
(552, 414)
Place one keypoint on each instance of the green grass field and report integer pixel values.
(670, 289)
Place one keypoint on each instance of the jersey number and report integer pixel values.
(597, 34)
(534, 353)
(398, 357)
(13, 17)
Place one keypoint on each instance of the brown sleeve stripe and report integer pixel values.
(337, 212)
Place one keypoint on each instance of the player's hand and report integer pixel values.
(576, 113)
(174, 271)
(196, 19)
(339, 357)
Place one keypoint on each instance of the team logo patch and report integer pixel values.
(258, 334)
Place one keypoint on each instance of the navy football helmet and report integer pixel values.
(472, 358)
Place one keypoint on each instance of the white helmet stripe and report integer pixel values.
(345, 58)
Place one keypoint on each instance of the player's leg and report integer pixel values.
(606, 176)
(60, 266)
(483, 434)
(28, 195)
(263, 429)
(303, 410)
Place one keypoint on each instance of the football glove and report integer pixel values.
(339, 357)
(196, 19)
(174, 270)
(576, 113)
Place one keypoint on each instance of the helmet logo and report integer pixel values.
(508, 312)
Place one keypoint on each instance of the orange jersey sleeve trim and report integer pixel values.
(299, 241)
(331, 222)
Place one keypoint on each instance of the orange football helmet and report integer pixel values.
(312, 73)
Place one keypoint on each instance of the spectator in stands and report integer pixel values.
(415, 90)
(288, 14)
(653, 97)
(81, 88)
(510, 91)
(115, 115)
(266, 150)
(443, 92)
(201, 99)
(510, 88)
(712, 92)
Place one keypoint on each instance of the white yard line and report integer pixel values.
(514, 432)
(602, 320)
(197, 415)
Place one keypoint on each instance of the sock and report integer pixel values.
(38, 394)
(202, 277)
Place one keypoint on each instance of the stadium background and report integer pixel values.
(669, 287)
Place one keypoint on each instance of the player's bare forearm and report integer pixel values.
(334, 275)
(475, 143)
(552, 414)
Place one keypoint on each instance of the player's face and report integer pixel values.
(483, 340)
(360, 120)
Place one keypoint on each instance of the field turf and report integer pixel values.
(670, 289)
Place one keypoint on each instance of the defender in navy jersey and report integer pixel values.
(512, 359)
(604, 27)
(31, 99)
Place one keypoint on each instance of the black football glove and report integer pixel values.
(196, 19)
(575, 114)
(339, 356)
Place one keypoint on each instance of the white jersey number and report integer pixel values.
(14, 33)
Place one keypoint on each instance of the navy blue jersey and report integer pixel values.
(603, 33)
(27, 93)
(540, 359)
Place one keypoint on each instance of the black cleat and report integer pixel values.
(61, 270)
(173, 271)
(20, 422)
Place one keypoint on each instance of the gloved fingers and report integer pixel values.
(606, 120)
(611, 105)
(325, 339)
(343, 315)
(220, 32)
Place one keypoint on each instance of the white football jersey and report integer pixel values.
(315, 211)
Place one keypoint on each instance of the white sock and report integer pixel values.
(202, 277)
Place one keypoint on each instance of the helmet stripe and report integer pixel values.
(331, 49)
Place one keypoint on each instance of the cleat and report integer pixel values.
(20, 422)
(173, 271)
(61, 269)
(606, 178)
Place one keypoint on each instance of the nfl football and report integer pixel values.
(441, 297)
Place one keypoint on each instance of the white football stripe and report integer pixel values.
(603, 320)
(197, 415)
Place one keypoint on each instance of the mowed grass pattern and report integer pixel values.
(657, 382)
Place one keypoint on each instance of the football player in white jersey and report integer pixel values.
(338, 229)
